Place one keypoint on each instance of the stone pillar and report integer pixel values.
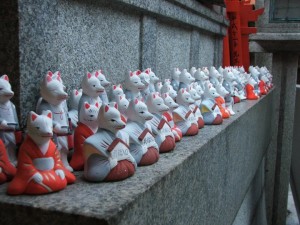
(285, 73)
(195, 49)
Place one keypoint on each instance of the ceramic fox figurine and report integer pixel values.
(227, 84)
(87, 126)
(175, 78)
(145, 79)
(104, 83)
(169, 101)
(143, 147)
(193, 70)
(161, 129)
(116, 90)
(158, 86)
(250, 91)
(183, 116)
(8, 120)
(209, 108)
(107, 152)
(53, 99)
(7, 170)
(167, 88)
(255, 74)
(123, 104)
(73, 106)
(195, 107)
(201, 78)
(214, 76)
(221, 101)
(263, 84)
(185, 79)
(153, 80)
(133, 85)
(91, 90)
(40, 169)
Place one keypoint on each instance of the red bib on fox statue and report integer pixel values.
(40, 169)
(7, 170)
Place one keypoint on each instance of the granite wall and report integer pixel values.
(78, 36)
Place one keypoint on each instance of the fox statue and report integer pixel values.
(201, 78)
(133, 85)
(167, 88)
(87, 126)
(221, 101)
(183, 116)
(73, 107)
(227, 84)
(7, 170)
(169, 101)
(161, 129)
(104, 83)
(123, 104)
(143, 147)
(107, 153)
(250, 91)
(145, 79)
(40, 170)
(8, 120)
(195, 107)
(175, 78)
(209, 108)
(53, 99)
(116, 90)
(214, 76)
(153, 80)
(185, 79)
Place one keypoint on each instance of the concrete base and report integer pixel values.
(204, 180)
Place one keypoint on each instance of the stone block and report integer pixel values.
(207, 49)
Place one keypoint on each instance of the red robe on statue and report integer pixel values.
(32, 161)
(7, 170)
(81, 133)
(250, 92)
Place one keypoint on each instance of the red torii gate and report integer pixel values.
(236, 43)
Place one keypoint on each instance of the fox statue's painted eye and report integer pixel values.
(112, 120)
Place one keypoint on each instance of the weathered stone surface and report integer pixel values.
(204, 179)
(207, 50)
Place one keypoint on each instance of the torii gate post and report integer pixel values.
(239, 13)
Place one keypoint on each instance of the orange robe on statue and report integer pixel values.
(31, 161)
(221, 102)
(81, 133)
(250, 92)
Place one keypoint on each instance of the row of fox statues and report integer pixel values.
(112, 130)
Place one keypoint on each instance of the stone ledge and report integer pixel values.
(196, 181)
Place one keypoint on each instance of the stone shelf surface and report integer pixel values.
(155, 192)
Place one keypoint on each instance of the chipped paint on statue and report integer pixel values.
(209, 108)
(143, 146)
(40, 169)
(107, 152)
(183, 116)
(133, 85)
(8, 119)
(54, 99)
(87, 126)
(161, 129)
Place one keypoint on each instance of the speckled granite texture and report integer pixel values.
(203, 181)
(79, 36)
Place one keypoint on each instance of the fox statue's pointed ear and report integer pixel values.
(50, 73)
(89, 75)
(120, 97)
(136, 101)
(182, 90)
(153, 95)
(138, 72)
(86, 105)
(49, 78)
(120, 86)
(116, 105)
(76, 92)
(33, 116)
(5, 77)
(114, 87)
(106, 108)
(96, 74)
(49, 115)
(130, 73)
(97, 104)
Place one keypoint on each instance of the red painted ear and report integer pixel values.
(58, 74)
(154, 96)
(33, 117)
(114, 87)
(116, 105)
(136, 101)
(49, 115)
(120, 86)
(121, 97)
(182, 91)
(106, 108)
(5, 77)
(147, 71)
(97, 105)
(49, 78)
(76, 92)
(131, 73)
(138, 72)
(50, 73)
(165, 95)
(89, 75)
(87, 105)
(96, 74)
